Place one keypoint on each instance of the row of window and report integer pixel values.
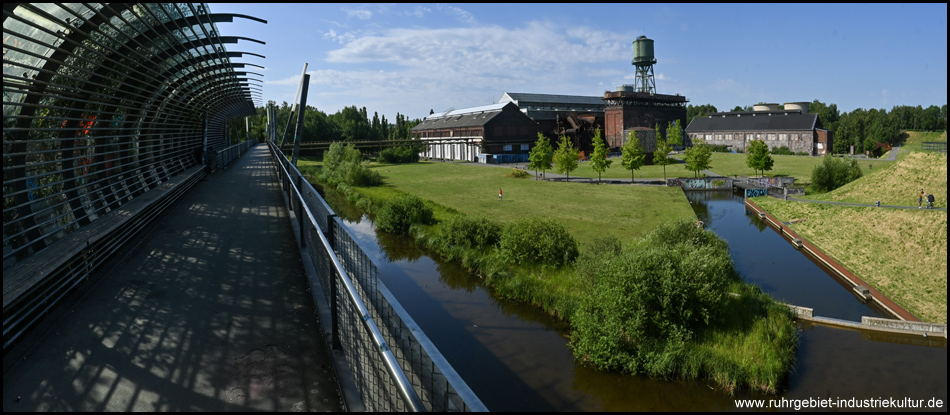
(756, 136)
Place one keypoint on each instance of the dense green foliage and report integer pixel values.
(343, 164)
(469, 232)
(565, 157)
(542, 155)
(834, 172)
(598, 159)
(633, 155)
(757, 156)
(698, 157)
(674, 133)
(645, 303)
(400, 154)
(401, 212)
(698, 111)
(535, 240)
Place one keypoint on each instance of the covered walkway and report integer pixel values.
(209, 310)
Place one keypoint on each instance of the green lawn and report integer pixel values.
(726, 164)
(587, 210)
(914, 138)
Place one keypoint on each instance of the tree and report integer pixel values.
(598, 159)
(698, 157)
(758, 157)
(541, 155)
(674, 134)
(633, 154)
(833, 173)
(661, 155)
(565, 158)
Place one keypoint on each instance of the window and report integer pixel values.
(783, 137)
(771, 137)
(524, 147)
(507, 147)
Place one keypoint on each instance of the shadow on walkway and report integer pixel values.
(209, 311)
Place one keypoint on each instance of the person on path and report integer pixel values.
(499, 194)
(920, 198)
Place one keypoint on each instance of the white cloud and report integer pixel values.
(362, 14)
(339, 38)
(662, 77)
(420, 11)
(461, 15)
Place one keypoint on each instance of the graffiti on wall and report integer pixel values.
(673, 182)
(756, 192)
(695, 184)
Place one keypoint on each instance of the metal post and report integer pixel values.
(298, 130)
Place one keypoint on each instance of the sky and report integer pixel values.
(413, 58)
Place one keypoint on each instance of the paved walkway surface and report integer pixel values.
(209, 311)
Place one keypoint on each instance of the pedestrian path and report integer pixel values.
(209, 311)
(861, 204)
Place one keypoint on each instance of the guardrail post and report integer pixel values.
(334, 311)
(300, 212)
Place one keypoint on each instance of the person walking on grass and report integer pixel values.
(920, 198)
(499, 194)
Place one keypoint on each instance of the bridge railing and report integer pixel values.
(394, 364)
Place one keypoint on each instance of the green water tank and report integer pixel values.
(643, 51)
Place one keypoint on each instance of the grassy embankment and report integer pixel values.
(902, 253)
(740, 347)
(914, 139)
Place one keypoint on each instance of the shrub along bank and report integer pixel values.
(658, 306)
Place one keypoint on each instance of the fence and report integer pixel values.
(939, 146)
(395, 366)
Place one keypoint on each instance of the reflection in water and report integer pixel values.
(516, 358)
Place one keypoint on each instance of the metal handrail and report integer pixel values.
(409, 394)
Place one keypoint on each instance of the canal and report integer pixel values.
(515, 357)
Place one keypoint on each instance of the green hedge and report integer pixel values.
(545, 241)
(401, 212)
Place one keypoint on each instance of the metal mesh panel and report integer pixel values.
(103, 103)
(429, 374)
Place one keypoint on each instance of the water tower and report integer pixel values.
(643, 59)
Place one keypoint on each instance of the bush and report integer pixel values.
(344, 164)
(401, 212)
(783, 151)
(537, 240)
(833, 173)
(469, 232)
(647, 302)
(516, 173)
(401, 154)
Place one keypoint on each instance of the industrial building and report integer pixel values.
(793, 127)
(496, 133)
(493, 134)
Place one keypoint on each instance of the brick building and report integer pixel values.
(796, 129)
(489, 133)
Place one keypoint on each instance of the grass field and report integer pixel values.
(587, 210)
(899, 184)
(914, 138)
(727, 164)
(901, 253)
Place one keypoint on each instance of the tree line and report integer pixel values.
(348, 124)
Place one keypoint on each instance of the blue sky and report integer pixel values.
(410, 58)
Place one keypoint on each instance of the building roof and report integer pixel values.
(482, 108)
(754, 123)
(524, 100)
(467, 117)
